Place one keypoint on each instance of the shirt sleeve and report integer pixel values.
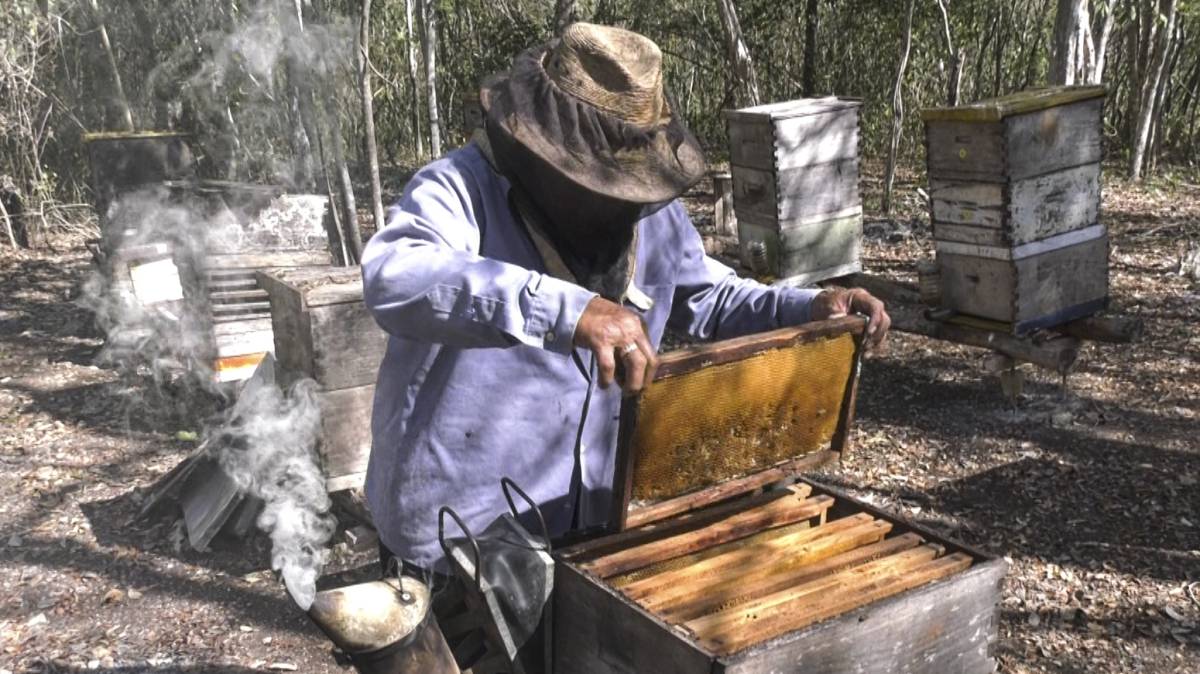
(713, 302)
(423, 277)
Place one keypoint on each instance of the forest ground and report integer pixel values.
(1090, 490)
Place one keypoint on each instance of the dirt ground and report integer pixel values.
(1089, 488)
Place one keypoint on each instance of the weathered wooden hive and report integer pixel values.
(248, 228)
(725, 560)
(1015, 205)
(323, 331)
(795, 188)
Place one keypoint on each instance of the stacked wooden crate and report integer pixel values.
(323, 331)
(1015, 205)
(795, 188)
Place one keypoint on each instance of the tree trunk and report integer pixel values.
(414, 85)
(1101, 33)
(564, 15)
(300, 104)
(954, 59)
(1149, 88)
(122, 100)
(353, 233)
(741, 65)
(1072, 52)
(428, 16)
(368, 107)
(897, 111)
(812, 13)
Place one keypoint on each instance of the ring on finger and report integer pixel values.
(629, 348)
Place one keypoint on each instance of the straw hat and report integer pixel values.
(591, 104)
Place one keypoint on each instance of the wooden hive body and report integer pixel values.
(761, 570)
(795, 187)
(1015, 205)
(323, 331)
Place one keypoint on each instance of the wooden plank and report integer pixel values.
(657, 588)
(1037, 143)
(797, 193)
(235, 296)
(816, 139)
(1054, 203)
(777, 582)
(777, 513)
(240, 308)
(725, 490)
(976, 236)
(1030, 100)
(794, 108)
(796, 250)
(947, 627)
(345, 440)
(597, 632)
(965, 151)
(689, 521)
(1058, 280)
(979, 204)
(836, 603)
(343, 482)
(729, 350)
(978, 286)
(752, 143)
(347, 345)
(290, 323)
(764, 569)
(1058, 355)
(291, 258)
(730, 631)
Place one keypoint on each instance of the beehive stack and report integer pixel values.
(324, 332)
(795, 188)
(1015, 205)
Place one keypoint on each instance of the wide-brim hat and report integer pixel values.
(591, 104)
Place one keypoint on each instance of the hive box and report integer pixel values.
(1015, 205)
(795, 188)
(323, 331)
(723, 559)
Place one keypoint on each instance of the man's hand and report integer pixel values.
(836, 302)
(616, 334)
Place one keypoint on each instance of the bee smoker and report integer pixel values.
(385, 627)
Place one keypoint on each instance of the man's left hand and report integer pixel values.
(837, 302)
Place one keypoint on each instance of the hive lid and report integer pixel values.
(314, 286)
(795, 108)
(728, 417)
(1030, 100)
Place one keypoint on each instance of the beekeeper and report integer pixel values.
(522, 275)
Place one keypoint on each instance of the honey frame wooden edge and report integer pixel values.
(715, 353)
(988, 570)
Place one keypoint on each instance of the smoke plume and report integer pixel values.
(242, 92)
(269, 448)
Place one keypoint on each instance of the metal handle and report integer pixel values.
(506, 484)
(470, 537)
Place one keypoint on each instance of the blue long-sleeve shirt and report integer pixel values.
(481, 378)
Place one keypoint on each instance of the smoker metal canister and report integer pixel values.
(385, 627)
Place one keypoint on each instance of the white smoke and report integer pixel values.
(268, 446)
(155, 326)
(240, 91)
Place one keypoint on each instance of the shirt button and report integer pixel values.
(549, 337)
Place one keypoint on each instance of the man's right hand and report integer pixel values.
(614, 334)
